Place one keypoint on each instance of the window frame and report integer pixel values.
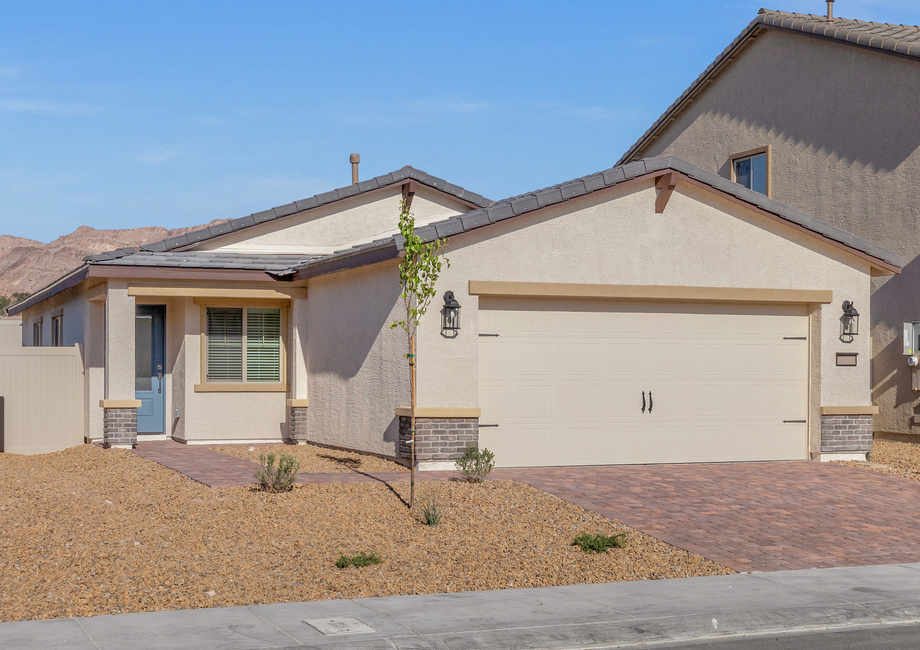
(751, 153)
(57, 329)
(244, 386)
(38, 332)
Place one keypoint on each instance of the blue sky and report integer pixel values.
(127, 114)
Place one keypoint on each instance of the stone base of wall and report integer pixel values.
(846, 434)
(438, 441)
(299, 423)
(119, 428)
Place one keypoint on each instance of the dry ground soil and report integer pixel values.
(89, 531)
(892, 457)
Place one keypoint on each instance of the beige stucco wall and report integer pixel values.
(700, 240)
(356, 370)
(212, 416)
(354, 220)
(844, 124)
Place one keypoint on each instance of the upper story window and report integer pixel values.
(753, 170)
(57, 330)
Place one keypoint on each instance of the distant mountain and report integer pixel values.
(27, 265)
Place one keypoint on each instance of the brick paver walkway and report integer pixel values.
(747, 516)
(214, 469)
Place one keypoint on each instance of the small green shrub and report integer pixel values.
(475, 463)
(280, 477)
(599, 543)
(361, 559)
(431, 507)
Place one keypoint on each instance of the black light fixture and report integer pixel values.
(450, 314)
(849, 323)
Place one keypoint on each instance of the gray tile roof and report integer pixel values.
(196, 260)
(897, 39)
(524, 203)
(395, 178)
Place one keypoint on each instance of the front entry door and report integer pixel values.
(149, 373)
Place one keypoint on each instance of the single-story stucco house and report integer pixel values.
(651, 313)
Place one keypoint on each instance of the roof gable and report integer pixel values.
(899, 40)
(648, 168)
(404, 175)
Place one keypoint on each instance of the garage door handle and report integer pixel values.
(793, 421)
(483, 426)
(643, 401)
(650, 401)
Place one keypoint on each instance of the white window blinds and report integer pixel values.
(225, 344)
(244, 345)
(263, 344)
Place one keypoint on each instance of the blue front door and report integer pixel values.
(149, 374)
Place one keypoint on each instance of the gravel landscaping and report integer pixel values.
(315, 459)
(89, 531)
(892, 457)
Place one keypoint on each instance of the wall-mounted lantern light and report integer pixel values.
(450, 314)
(849, 323)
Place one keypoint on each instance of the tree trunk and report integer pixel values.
(412, 422)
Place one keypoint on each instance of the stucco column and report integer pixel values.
(298, 402)
(94, 368)
(119, 404)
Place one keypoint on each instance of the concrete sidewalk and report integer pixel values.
(579, 616)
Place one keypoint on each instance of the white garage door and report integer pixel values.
(580, 382)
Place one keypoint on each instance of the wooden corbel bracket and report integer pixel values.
(408, 191)
(665, 185)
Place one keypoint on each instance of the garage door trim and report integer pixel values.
(500, 289)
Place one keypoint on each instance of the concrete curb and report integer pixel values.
(553, 618)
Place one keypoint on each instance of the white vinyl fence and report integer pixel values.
(41, 399)
(10, 333)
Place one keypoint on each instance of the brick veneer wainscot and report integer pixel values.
(438, 439)
(846, 433)
(299, 422)
(119, 427)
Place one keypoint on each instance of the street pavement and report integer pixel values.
(717, 609)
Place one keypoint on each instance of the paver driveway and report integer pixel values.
(753, 516)
(747, 516)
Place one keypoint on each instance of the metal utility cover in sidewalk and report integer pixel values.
(337, 626)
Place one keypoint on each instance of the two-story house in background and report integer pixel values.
(822, 114)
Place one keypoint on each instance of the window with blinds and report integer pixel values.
(263, 344)
(243, 345)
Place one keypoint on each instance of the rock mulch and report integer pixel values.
(892, 457)
(319, 460)
(89, 531)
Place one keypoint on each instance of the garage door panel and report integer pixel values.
(567, 378)
(623, 358)
(532, 358)
(583, 358)
(494, 358)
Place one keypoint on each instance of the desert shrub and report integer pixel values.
(359, 560)
(475, 463)
(599, 543)
(431, 507)
(280, 477)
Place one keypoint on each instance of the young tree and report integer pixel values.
(418, 273)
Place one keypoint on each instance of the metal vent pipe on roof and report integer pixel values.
(830, 9)
(355, 159)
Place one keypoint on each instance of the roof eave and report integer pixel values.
(63, 283)
(690, 94)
